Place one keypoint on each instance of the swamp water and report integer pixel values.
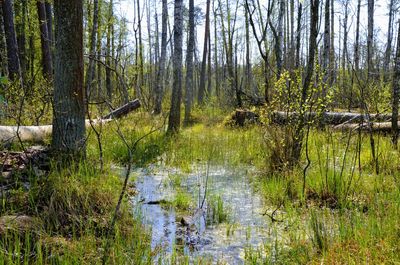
(229, 197)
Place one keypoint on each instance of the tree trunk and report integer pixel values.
(345, 36)
(357, 44)
(47, 63)
(299, 129)
(202, 87)
(108, 52)
(69, 108)
(396, 92)
(14, 68)
(175, 113)
(139, 62)
(326, 50)
(370, 38)
(49, 21)
(279, 40)
(90, 73)
(21, 12)
(159, 89)
(189, 64)
(298, 37)
(388, 50)
(3, 48)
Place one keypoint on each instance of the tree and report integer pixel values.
(14, 67)
(299, 129)
(69, 107)
(109, 51)
(396, 92)
(161, 66)
(202, 87)
(357, 43)
(92, 50)
(370, 38)
(175, 112)
(189, 64)
(45, 39)
(388, 50)
(3, 52)
(326, 50)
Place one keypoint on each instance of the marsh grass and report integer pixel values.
(71, 212)
(74, 208)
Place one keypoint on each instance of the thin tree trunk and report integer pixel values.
(326, 50)
(216, 72)
(388, 51)
(332, 65)
(47, 63)
(298, 32)
(90, 73)
(299, 129)
(202, 87)
(279, 40)
(140, 52)
(357, 43)
(3, 48)
(99, 53)
(248, 75)
(21, 12)
(108, 52)
(14, 68)
(159, 89)
(175, 113)
(396, 92)
(189, 64)
(69, 108)
(370, 38)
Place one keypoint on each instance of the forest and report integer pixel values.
(199, 132)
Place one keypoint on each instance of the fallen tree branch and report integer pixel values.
(384, 127)
(331, 118)
(39, 133)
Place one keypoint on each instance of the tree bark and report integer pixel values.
(14, 67)
(21, 12)
(298, 32)
(189, 64)
(357, 42)
(108, 52)
(90, 73)
(47, 64)
(202, 87)
(396, 92)
(159, 89)
(3, 48)
(69, 108)
(175, 113)
(370, 38)
(388, 50)
(299, 128)
(326, 50)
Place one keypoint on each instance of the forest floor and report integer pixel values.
(348, 212)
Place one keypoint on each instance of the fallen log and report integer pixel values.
(384, 127)
(123, 110)
(39, 133)
(331, 118)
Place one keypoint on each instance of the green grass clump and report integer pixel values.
(72, 211)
